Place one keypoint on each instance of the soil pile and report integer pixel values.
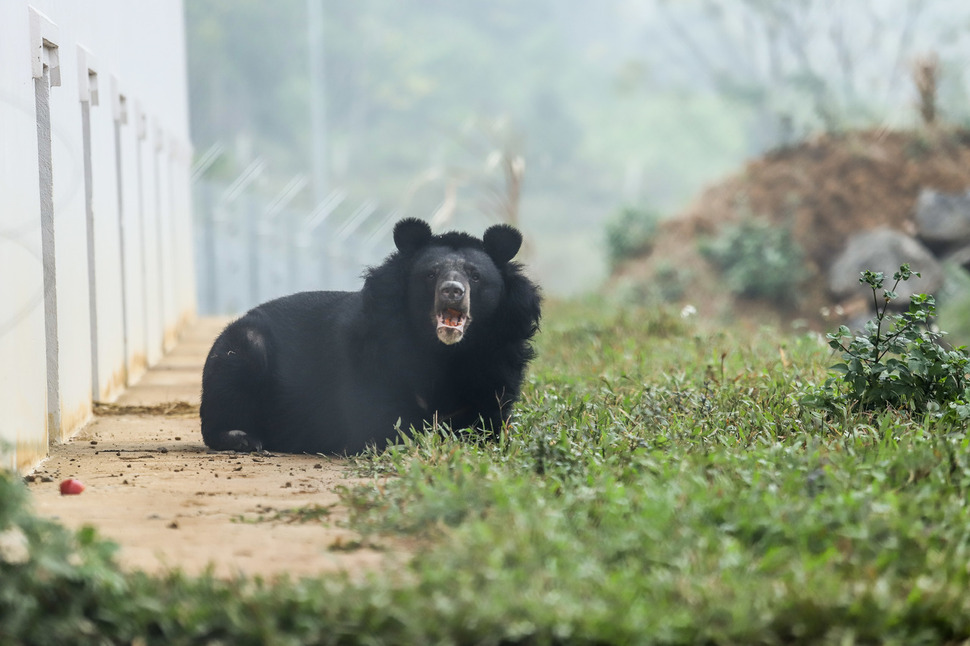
(824, 190)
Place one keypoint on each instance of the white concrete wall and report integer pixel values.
(116, 311)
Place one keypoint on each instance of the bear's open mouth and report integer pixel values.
(451, 325)
(451, 318)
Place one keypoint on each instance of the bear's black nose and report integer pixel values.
(451, 291)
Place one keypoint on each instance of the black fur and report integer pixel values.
(333, 372)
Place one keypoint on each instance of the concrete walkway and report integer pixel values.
(152, 486)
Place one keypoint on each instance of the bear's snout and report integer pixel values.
(451, 291)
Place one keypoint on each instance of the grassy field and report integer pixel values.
(661, 483)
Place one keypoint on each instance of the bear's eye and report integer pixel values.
(474, 275)
(432, 274)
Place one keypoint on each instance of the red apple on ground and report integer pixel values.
(71, 487)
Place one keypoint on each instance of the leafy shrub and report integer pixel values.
(668, 284)
(898, 362)
(671, 282)
(630, 233)
(758, 259)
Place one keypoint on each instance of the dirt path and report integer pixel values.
(153, 487)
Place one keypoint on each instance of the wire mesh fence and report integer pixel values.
(250, 248)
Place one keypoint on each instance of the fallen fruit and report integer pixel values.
(71, 487)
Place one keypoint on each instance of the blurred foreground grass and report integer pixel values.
(660, 484)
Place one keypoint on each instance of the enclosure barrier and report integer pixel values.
(96, 263)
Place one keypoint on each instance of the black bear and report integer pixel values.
(440, 332)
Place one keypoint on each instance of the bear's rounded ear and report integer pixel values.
(502, 242)
(411, 234)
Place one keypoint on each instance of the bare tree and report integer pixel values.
(802, 65)
(926, 72)
(486, 172)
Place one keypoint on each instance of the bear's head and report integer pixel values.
(454, 278)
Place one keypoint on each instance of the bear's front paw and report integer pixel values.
(238, 441)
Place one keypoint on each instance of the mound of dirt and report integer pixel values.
(824, 189)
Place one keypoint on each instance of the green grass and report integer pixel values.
(660, 484)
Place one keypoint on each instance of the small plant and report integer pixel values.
(668, 284)
(630, 233)
(757, 258)
(898, 362)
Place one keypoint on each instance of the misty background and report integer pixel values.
(318, 123)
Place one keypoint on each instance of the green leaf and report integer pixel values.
(874, 279)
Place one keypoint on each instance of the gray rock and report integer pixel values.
(884, 250)
(943, 218)
(960, 257)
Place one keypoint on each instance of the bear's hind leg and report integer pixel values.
(233, 389)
